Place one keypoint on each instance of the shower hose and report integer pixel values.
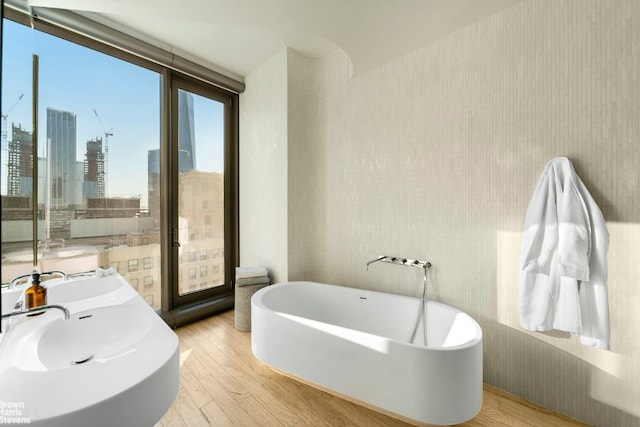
(421, 313)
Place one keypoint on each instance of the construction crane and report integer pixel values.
(5, 142)
(107, 134)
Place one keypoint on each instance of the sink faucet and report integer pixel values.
(67, 315)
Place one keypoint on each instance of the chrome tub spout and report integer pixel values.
(380, 258)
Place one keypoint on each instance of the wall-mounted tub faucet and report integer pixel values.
(401, 261)
(380, 258)
(425, 265)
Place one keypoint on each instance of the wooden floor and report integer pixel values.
(223, 384)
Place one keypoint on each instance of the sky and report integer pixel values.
(126, 98)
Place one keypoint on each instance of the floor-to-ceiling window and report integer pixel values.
(203, 186)
(200, 172)
(131, 164)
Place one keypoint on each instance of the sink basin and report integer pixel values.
(77, 294)
(95, 336)
(107, 365)
(81, 289)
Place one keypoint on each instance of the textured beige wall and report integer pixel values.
(306, 167)
(435, 156)
(263, 167)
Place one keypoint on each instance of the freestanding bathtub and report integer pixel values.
(356, 343)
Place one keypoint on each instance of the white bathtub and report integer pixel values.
(356, 343)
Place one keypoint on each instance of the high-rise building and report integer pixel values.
(153, 182)
(186, 133)
(93, 184)
(20, 164)
(186, 152)
(201, 230)
(61, 138)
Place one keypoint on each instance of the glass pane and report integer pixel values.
(200, 192)
(17, 148)
(98, 162)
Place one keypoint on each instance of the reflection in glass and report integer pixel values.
(201, 192)
(95, 186)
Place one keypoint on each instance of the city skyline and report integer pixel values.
(71, 185)
(101, 91)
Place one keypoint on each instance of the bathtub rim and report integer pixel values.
(477, 338)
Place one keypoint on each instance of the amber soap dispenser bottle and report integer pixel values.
(36, 295)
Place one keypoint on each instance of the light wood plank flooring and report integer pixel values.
(223, 384)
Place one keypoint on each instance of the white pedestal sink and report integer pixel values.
(113, 363)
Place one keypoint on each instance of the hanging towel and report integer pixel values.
(563, 282)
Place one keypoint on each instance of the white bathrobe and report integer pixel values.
(563, 283)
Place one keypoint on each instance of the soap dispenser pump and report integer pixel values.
(36, 295)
